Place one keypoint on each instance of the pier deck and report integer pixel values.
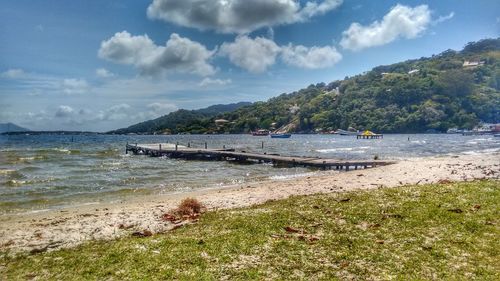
(187, 153)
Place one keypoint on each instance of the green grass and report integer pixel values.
(414, 232)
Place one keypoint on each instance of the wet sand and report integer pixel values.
(37, 232)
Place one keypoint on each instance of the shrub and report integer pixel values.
(189, 206)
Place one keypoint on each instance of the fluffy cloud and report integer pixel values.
(178, 55)
(74, 86)
(12, 73)
(254, 55)
(258, 54)
(163, 108)
(219, 82)
(236, 16)
(115, 112)
(64, 111)
(311, 58)
(401, 21)
(104, 73)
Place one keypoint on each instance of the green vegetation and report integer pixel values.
(193, 121)
(435, 93)
(445, 231)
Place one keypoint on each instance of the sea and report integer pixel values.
(47, 172)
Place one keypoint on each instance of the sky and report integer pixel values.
(99, 65)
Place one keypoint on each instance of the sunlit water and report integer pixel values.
(47, 172)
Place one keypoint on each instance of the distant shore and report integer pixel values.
(71, 226)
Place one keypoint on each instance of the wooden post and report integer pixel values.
(176, 146)
(160, 148)
(262, 145)
(224, 146)
(189, 144)
(205, 145)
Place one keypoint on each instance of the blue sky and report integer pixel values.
(99, 65)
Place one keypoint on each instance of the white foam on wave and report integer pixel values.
(63, 150)
(343, 149)
(7, 171)
(481, 151)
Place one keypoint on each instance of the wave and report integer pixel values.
(15, 183)
(481, 151)
(6, 171)
(343, 149)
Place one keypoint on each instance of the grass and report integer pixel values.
(444, 231)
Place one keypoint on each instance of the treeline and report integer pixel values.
(435, 93)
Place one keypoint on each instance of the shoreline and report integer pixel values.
(69, 227)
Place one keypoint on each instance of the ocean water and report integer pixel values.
(42, 172)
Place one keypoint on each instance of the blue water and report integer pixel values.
(54, 171)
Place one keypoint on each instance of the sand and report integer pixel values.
(49, 230)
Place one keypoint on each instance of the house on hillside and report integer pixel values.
(221, 122)
(472, 64)
(413, 71)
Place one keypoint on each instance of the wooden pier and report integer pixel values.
(369, 137)
(188, 153)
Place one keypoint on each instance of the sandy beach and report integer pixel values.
(49, 230)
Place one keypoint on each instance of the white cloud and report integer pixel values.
(104, 73)
(115, 112)
(254, 55)
(401, 21)
(258, 54)
(161, 108)
(444, 18)
(311, 58)
(209, 81)
(236, 16)
(178, 55)
(64, 111)
(314, 8)
(12, 73)
(74, 86)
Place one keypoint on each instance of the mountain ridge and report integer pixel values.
(11, 127)
(451, 89)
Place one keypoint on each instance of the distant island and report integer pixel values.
(50, 133)
(11, 127)
(454, 89)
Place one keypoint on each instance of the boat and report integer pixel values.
(260, 133)
(280, 136)
(346, 133)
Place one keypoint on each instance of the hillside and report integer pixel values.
(181, 120)
(455, 89)
(11, 127)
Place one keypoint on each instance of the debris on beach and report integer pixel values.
(144, 233)
(189, 209)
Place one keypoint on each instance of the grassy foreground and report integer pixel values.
(446, 231)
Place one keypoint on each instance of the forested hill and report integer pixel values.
(178, 120)
(454, 89)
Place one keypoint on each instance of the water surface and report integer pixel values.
(39, 172)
